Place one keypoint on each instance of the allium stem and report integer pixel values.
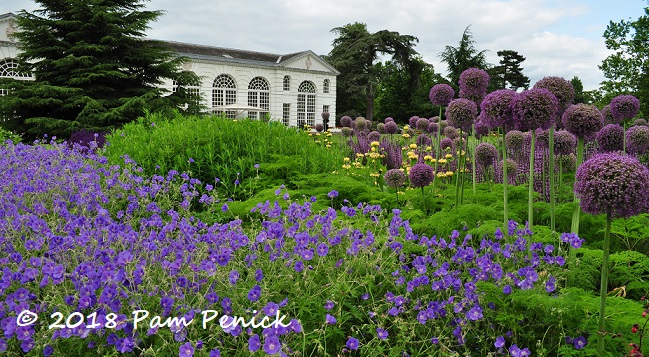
(603, 288)
(574, 228)
(459, 173)
(551, 169)
(475, 143)
(530, 196)
(505, 181)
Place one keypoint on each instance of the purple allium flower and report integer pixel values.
(423, 140)
(608, 116)
(346, 131)
(325, 116)
(421, 175)
(395, 178)
(582, 119)
(514, 140)
(380, 127)
(374, 136)
(624, 107)
(450, 132)
(612, 183)
(564, 142)
(446, 143)
(461, 113)
(432, 128)
(352, 343)
(413, 121)
(441, 94)
(640, 121)
(388, 119)
(422, 124)
(496, 109)
(473, 84)
(481, 129)
(610, 138)
(319, 127)
(534, 108)
(485, 154)
(562, 90)
(391, 127)
(346, 121)
(637, 139)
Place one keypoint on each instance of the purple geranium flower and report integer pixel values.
(352, 343)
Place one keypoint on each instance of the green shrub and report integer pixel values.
(218, 150)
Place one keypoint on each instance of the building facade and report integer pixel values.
(294, 89)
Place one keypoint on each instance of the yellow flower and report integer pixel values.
(405, 136)
(449, 173)
(328, 146)
(441, 161)
(449, 156)
(374, 143)
(346, 159)
(433, 160)
(441, 174)
(413, 146)
(428, 158)
(373, 148)
(359, 156)
(428, 148)
(346, 166)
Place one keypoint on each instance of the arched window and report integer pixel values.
(306, 104)
(287, 83)
(9, 69)
(325, 86)
(259, 96)
(224, 92)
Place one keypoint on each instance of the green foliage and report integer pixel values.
(93, 69)
(8, 135)
(626, 68)
(354, 53)
(211, 147)
(464, 56)
(509, 73)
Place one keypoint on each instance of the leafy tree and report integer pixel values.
(92, 68)
(355, 53)
(509, 72)
(627, 69)
(399, 96)
(465, 56)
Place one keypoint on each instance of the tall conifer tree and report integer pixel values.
(93, 69)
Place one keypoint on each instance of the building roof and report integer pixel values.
(221, 54)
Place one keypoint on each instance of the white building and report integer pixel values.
(294, 88)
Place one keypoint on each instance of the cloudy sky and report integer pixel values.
(558, 37)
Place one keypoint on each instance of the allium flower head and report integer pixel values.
(485, 154)
(481, 129)
(624, 107)
(473, 84)
(441, 94)
(412, 122)
(608, 116)
(432, 128)
(461, 113)
(395, 178)
(562, 90)
(564, 142)
(380, 127)
(611, 182)
(346, 121)
(450, 132)
(637, 139)
(421, 175)
(514, 140)
(640, 121)
(388, 119)
(582, 119)
(610, 138)
(446, 143)
(534, 108)
(423, 140)
(391, 127)
(421, 124)
(374, 136)
(496, 108)
(319, 127)
(512, 167)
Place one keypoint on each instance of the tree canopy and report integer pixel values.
(627, 69)
(355, 54)
(93, 69)
(464, 56)
(509, 74)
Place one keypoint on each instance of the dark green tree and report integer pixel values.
(465, 56)
(396, 96)
(627, 69)
(93, 69)
(509, 74)
(355, 54)
(578, 85)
